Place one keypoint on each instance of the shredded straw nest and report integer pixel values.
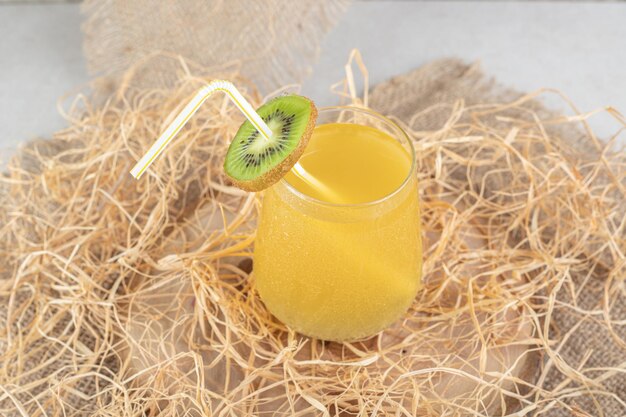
(135, 298)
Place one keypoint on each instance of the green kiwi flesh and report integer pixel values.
(254, 163)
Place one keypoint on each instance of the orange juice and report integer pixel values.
(339, 258)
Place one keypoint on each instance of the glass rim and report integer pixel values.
(394, 125)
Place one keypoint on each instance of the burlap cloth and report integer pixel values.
(273, 43)
(119, 34)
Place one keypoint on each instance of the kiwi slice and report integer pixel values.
(253, 163)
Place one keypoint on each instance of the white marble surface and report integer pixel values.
(40, 60)
(579, 48)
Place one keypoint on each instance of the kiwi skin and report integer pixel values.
(274, 175)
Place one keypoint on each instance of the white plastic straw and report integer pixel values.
(189, 110)
(299, 171)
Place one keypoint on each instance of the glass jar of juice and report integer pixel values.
(338, 253)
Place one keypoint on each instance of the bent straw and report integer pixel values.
(299, 171)
(248, 111)
(189, 110)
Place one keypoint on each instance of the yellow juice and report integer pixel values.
(338, 255)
